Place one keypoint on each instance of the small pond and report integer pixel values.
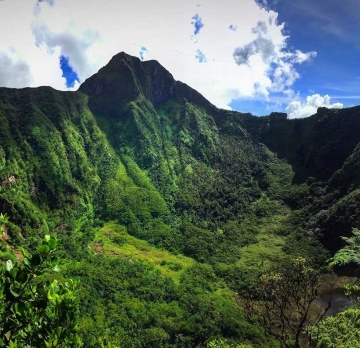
(339, 301)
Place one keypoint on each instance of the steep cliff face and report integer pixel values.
(132, 128)
(51, 146)
(152, 117)
(316, 146)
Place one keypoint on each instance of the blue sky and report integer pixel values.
(331, 28)
(253, 56)
(69, 74)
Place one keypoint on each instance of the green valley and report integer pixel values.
(167, 208)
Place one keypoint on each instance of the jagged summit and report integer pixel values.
(127, 78)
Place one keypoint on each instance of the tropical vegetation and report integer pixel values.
(170, 213)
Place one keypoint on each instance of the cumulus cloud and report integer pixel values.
(278, 63)
(261, 45)
(72, 44)
(19, 45)
(296, 109)
(89, 33)
(14, 72)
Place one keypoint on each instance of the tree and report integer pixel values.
(282, 300)
(35, 312)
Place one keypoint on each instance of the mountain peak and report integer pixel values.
(126, 78)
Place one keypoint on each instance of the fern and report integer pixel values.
(350, 253)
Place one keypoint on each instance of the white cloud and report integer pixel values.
(37, 7)
(251, 62)
(14, 71)
(296, 109)
(16, 17)
(278, 64)
(72, 43)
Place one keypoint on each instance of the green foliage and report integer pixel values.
(4, 220)
(135, 306)
(114, 240)
(340, 331)
(282, 300)
(178, 176)
(209, 196)
(37, 312)
(350, 253)
(225, 344)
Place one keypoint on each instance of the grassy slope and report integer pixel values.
(268, 247)
(113, 240)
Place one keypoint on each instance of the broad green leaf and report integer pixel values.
(16, 308)
(44, 249)
(47, 238)
(24, 253)
(52, 243)
(27, 262)
(14, 271)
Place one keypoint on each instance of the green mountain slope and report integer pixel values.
(316, 146)
(139, 174)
